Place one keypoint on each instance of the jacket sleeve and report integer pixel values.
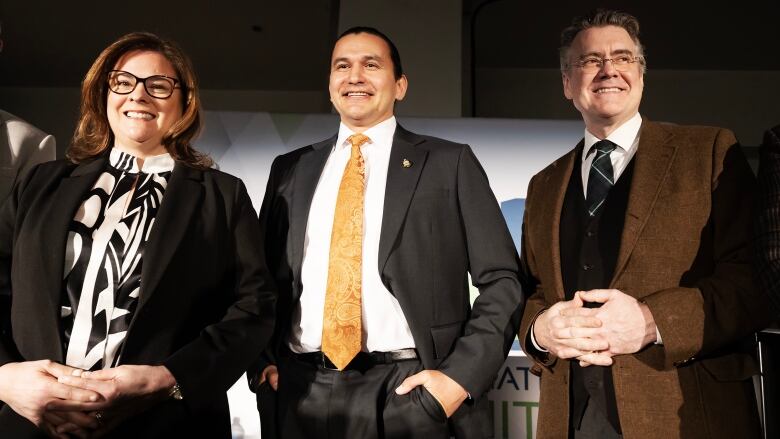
(10, 218)
(721, 308)
(494, 269)
(537, 303)
(209, 365)
(269, 228)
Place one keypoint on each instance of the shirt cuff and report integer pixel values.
(533, 339)
(658, 339)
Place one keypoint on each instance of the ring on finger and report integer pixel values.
(99, 417)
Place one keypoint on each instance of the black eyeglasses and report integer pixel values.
(157, 86)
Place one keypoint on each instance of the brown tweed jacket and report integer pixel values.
(684, 252)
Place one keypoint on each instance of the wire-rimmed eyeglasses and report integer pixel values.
(622, 63)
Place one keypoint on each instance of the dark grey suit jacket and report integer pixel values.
(206, 306)
(441, 222)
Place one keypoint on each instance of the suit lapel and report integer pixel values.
(400, 186)
(549, 222)
(307, 175)
(69, 197)
(652, 162)
(182, 195)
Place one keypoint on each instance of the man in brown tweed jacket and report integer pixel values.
(636, 252)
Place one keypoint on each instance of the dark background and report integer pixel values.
(708, 63)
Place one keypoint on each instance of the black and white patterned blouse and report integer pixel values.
(104, 254)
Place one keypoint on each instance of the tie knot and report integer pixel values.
(357, 139)
(604, 147)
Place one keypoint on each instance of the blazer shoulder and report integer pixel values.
(40, 179)
(443, 149)
(227, 184)
(219, 176)
(48, 171)
(226, 190)
(438, 142)
(289, 159)
(295, 155)
(559, 162)
(691, 133)
(429, 142)
(58, 165)
(699, 143)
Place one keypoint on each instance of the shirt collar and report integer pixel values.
(382, 130)
(124, 161)
(624, 136)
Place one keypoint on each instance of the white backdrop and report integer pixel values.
(511, 151)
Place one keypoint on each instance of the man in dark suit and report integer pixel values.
(768, 219)
(384, 225)
(635, 246)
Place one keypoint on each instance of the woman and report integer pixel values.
(132, 261)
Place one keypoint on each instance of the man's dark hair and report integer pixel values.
(395, 57)
(600, 18)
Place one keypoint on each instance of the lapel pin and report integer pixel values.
(406, 163)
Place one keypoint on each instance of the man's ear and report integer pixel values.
(400, 88)
(566, 85)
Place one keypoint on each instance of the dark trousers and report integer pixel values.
(313, 402)
(595, 425)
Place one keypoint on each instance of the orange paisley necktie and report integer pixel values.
(341, 325)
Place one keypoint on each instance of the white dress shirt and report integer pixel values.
(384, 324)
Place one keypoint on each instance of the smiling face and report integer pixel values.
(362, 87)
(606, 98)
(138, 120)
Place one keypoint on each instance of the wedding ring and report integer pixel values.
(99, 417)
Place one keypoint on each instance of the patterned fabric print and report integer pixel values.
(342, 327)
(103, 258)
(601, 177)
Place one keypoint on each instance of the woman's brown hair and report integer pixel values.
(93, 134)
